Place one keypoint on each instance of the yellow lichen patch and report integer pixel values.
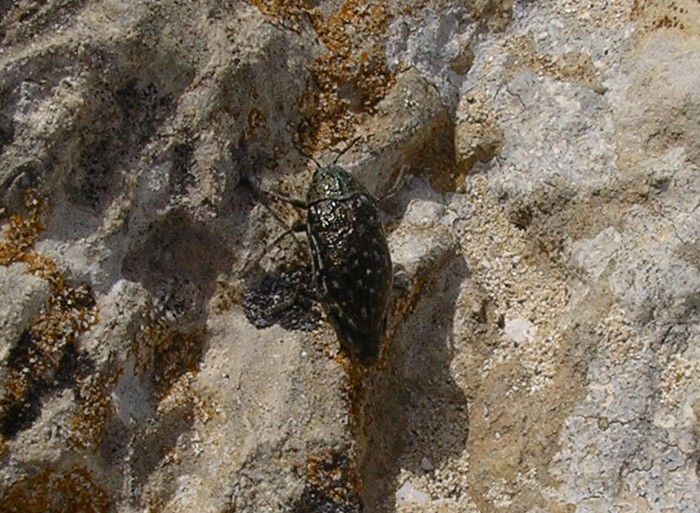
(351, 76)
(569, 66)
(677, 378)
(68, 492)
(622, 343)
(45, 357)
(95, 408)
(166, 354)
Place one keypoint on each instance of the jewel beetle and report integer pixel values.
(351, 261)
(352, 269)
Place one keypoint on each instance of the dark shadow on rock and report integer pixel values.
(413, 415)
(279, 286)
(285, 296)
(178, 263)
(7, 130)
(151, 444)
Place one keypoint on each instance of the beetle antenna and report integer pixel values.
(259, 192)
(306, 155)
(345, 150)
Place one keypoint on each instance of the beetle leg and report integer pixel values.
(396, 186)
(296, 228)
(287, 199)
(260, 192)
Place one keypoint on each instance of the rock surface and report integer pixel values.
(541, 161)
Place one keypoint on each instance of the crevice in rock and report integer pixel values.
(412, 409)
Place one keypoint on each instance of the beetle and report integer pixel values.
(352, 268)
(351, 260)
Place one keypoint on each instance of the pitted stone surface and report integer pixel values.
(540, 163)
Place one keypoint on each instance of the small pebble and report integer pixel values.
(408, 493)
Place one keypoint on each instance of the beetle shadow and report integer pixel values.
(413, 414)
(285, 296)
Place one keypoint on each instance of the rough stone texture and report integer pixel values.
(540, 161)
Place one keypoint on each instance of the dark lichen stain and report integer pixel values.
(331, 486)
(141, 107)
(31, 19)
(285, 297)
(7, 131)
(182, 176)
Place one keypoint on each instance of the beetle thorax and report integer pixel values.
(333, 182)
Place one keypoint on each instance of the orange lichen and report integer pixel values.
(352, 74)
(45, 357)
(291, 12)
(22, 231)
(176, 355)
(331, 483)
(46, 350)
(96, 407)
(166, 354)
(59, 492)
(169, 359)
(256, 120)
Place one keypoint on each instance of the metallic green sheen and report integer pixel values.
(333, 182)
(351, 261)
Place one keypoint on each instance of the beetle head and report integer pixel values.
(333, 182)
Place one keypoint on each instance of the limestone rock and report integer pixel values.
(537, 164)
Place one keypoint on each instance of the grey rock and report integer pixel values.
(537, 164)
(23, 296)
